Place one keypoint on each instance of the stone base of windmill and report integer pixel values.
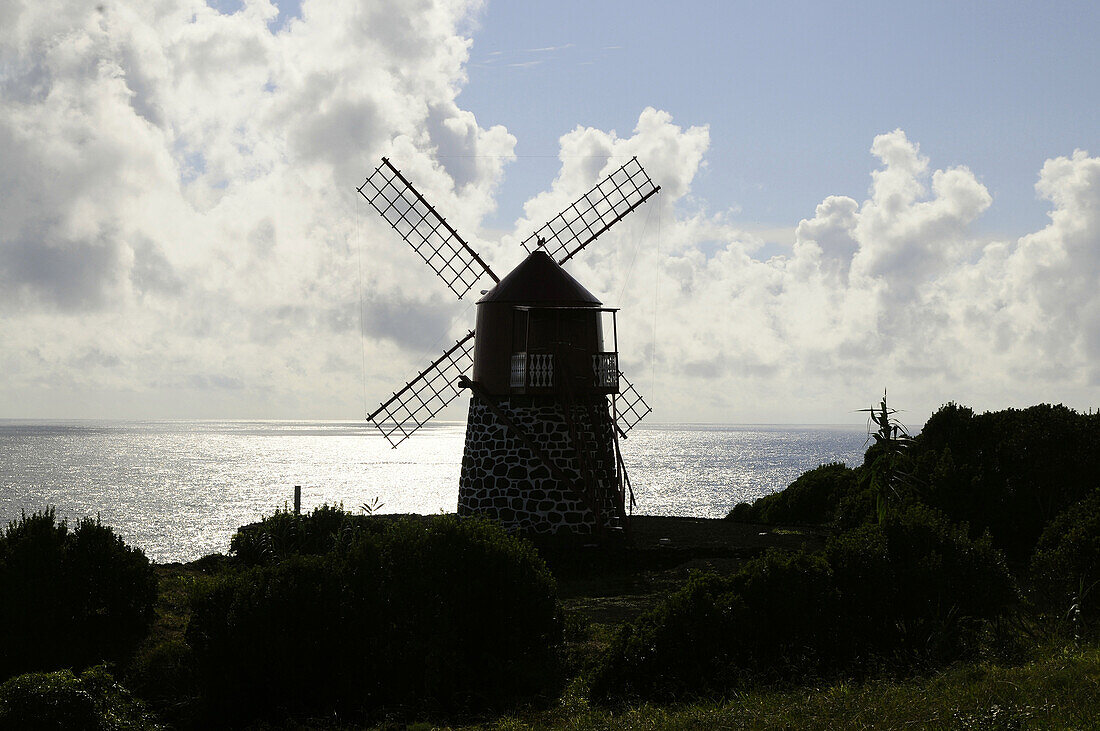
(503, 479)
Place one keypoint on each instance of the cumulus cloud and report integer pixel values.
(180, 236)
(178, 194)
(895, 290)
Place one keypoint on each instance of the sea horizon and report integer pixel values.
(179, 488)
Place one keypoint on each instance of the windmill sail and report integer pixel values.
(418, 223)
(426, 395)
(594, 212)
(630, 407)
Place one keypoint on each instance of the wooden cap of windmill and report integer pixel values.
(534, 328)
(538, 280)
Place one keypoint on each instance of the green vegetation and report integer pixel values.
(916, 577)
(813, 498)
(92, 701)
(909, 593)
(283, 534)
(72, 597)
(1066, 565)
(442, 615)
(1060, 690)
(1008, 473)
(895, 593)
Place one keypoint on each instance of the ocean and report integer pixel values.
(179, 489)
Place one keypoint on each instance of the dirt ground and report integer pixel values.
(612, 587)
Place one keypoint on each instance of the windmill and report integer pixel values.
(548, 401)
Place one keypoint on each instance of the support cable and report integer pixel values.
(656, 307)
(634, 257)
(362, 330)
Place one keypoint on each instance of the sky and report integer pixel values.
(855, 197)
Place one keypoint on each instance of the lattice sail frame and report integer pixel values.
(630, 407)
(421, 226)
(594, 212)
(426, 395)
(460, 267)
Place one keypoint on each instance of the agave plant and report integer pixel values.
(373, 506)
(888, 476)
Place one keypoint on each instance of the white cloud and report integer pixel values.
(179, 235)
(178, 195)
(894, 291)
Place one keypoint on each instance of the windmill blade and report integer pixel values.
(428, 233)
(424, 396)
(630, 407)
(594, 212)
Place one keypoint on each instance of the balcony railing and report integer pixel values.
(519, 370)
(532, 370)
(605, 367)
(536, 370)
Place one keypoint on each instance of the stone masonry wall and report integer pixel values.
(503, 479)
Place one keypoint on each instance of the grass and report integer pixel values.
(665, 552)
(162, 670)
(1061, 690)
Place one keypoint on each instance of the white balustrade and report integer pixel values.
(605, 367)
(540, 374)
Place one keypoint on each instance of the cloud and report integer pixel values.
(179, 227)
(895, 290)
(178, 195)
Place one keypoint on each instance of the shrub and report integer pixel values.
(61, 701)
(1066, 565)
(477, 612)
(774, 619)
(913, 587)
(792, 603)
(811, 499)
(163, 675)
(917, 586)
(279, 639)
(675, 649)
(445, 614)
(1008, 472)
(284, 534)
(73, 597)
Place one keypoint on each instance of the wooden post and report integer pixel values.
(297, 499)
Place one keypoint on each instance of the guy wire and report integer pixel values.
(634, 257)
(362, 330)
(656, 307)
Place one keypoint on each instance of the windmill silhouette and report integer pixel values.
(548, 401)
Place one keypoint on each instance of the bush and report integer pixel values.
(73, 597)
(1066, 565)
(280, 639)
(477, 612)
(675, 650)
(61, 701)
(911, 588)
(1008, 472)
(444, 615)
(284, 534)
(811, 499)
(163, 675)
(773, 620)
(917, 587)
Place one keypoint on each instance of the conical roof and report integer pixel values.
(538, 280)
